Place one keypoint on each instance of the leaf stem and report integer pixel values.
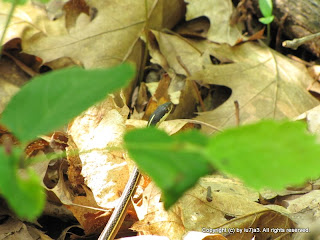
(268, 34)
(13, 6)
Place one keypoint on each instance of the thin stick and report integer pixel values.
(295, 43)
(237, 112)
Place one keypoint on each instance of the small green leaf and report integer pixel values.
(175, 163)
(267, 154)
(266, 7)
(51, 100)
(25, 195)
(266, 20)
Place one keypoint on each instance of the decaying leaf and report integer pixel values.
(107, 39)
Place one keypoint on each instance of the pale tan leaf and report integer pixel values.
(29, 20)
(155, 220)
(265, 83)
(105, 172)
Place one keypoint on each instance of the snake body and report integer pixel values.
(117, 217)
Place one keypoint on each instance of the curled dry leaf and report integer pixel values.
(219, 13)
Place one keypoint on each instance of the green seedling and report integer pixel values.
(266, 7)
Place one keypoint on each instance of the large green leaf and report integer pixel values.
(175, 163)
(51, 100)
(267, 154)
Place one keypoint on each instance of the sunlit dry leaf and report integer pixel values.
(312, 117)
(231, 211)
(265, 84)
(29, 21)
(155, 220)
(220, 183)
(106, 172)
(304, 207)
(219, 13)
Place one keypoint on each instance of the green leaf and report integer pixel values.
(266, 20)
(25, 195)
(22, 2)
(266, 7)
(19, 2)
(175, 163)
(51, 100)
(267, 154)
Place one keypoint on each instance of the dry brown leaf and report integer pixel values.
(265, 83)
(166, 49)
(12, 228)
(219, 13)
(111, 37)
(11, 78)
(92, 221)
(195, 28)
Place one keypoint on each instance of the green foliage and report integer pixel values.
(22, 2)
(24, 193)
(16, 2)
(175, 163)
(266, 7)
(51, 100)
(266, 154)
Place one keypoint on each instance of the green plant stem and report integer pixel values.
(13, 6)
(268, 34)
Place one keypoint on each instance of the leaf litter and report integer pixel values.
(265, 83)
